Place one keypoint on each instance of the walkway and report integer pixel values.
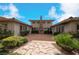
(39, 44)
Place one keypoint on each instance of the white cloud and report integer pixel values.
(13, 11)
(69, 9)
(4, 8)
(52, 13)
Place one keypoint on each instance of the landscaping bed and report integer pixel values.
(68, 43)
(10, 43)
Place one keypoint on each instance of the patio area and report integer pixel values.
(39, 44)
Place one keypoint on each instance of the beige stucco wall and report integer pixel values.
(45, 25)
(10, 26)
(24, 27)
(69, 27)
(54, 29)
(35, 24)
(16, 29)
(28, 28)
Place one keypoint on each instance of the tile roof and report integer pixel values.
(41, 20)
(70, 19)
(3, 19)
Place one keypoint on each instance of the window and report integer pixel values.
(62, 28)
(0, 28)
(20, 27)
(77, 26)
(5, 27)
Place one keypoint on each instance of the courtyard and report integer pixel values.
(40, 44)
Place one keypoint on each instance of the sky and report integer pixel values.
(49, 11)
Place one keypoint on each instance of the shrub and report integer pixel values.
(56, 33)
(47, 32)
(5, 33)
(65, 40)
(25, 32)
(13, 41)
(1, 47)
(76, 35)
(20, 40)
(35, 31)
(9, 42)
(75, 44)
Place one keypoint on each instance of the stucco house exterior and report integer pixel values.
(14, 25)
(70, 25)
(41, 25)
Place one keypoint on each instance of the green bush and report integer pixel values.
(1, 47)
(13, 41)
(66, 40)
(35, 31)
(56, 33)
(23, 33)
(47, 32)
(20, 40)
(76, 35)
(5, 33)
(75, 44)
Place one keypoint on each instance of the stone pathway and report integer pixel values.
(39, 47)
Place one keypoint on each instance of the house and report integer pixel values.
(70, 25)
(13, 25)
(41, 25)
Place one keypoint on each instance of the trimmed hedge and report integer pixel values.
(67, 42)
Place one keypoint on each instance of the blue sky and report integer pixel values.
(26, 11)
